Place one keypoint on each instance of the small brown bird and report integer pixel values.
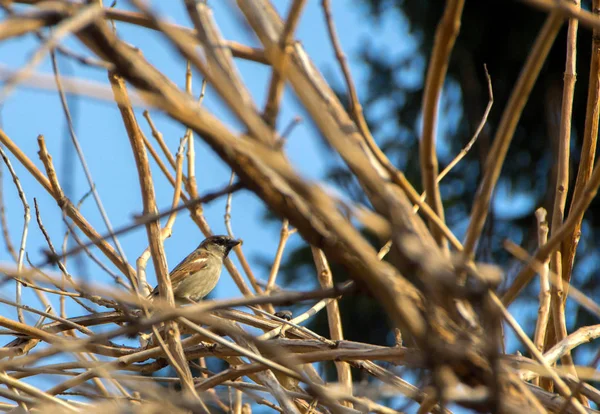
(197, 275)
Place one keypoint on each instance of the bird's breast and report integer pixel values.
(199, 284)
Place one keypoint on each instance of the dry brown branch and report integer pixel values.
(558, 262)
(507, 126)
(577, 338)
(588, 151)
(78, 149)
(26, 218)
(333, 317)
(471, 142)
(166, 231)
(192, 185)
(278, 73)
(64, 273)
(158, 136)
(73, 85)
(355, 106)
(238, 249)
(560, 384)
(3, 222)
(223, 141)
(219, 69)
(441, 303)
(374, 153)
(283, 238)
(45, 397)
(71, 25)
(153, 229)
(544, 252)
(70, 209)
(157, 158)
(544, 296)
(445, 36)
(44, 16)
(537, 266)
(562, 180)
(144, 219)
(570, 9)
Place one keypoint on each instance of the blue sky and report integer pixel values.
(28, 112)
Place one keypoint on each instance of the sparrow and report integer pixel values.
(197, 275)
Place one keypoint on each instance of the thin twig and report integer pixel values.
(166, 231)
(239, 252)
(380, 160)
(227, 216)
(278, 75)
(507, 126)
(316, 308)
(558, 236)
(71, 230)
(5, 230)
(559, 295)
(35, 392)
(283, 238)
(153, 229)
(445, 36)
(78, 149)
(560, 384)
(191, 184)
(74, 24)
(50, 315)
(579, 337)
(161, 164)
(290, 127)
(26, 218)
(147, 218)
(290, 323)
(471, 142)
(355, 106)
(536, 265)
(334, 318)
(588, 147)
(52, 186)
(63, 270)
(541, 325)
(158, 136)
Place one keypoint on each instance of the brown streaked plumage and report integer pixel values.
(197, 275)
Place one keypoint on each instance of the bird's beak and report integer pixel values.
(232, 243)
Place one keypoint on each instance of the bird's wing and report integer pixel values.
(193, 263)
(188, 267)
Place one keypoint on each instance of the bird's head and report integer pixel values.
(220, 245)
